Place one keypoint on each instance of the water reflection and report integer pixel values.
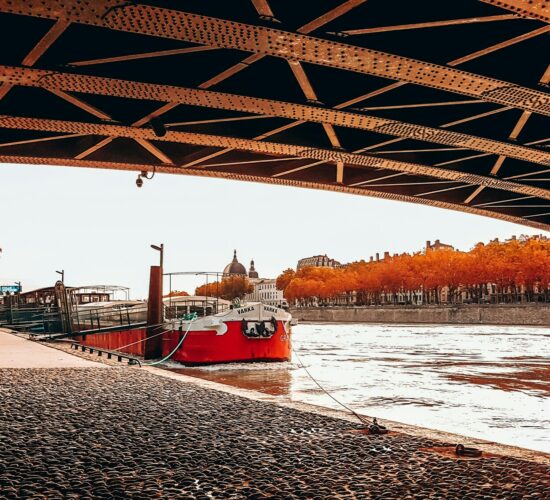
(483, 381)
(261, 377)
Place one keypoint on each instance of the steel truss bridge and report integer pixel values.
(442, 103)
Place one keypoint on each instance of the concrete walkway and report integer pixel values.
(17, 352)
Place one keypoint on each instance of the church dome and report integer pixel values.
(234, 267)
(253, 273)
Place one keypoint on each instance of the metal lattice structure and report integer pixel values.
(440, 103)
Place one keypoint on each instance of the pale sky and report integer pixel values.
(97, 226)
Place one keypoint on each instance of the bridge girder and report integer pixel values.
(76, 110)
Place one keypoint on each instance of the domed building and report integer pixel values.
(234, 268)
(252, 273)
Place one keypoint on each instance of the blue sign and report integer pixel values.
(10, 288)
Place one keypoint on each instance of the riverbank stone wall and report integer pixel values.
(517, 314)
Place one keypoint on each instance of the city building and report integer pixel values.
(265, 290)
(437, 245)
(234, 268)
(317, 261)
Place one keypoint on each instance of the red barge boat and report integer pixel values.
(194, 332)
(250, 332)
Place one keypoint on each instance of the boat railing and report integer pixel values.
(90, 319)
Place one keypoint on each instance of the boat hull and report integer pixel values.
(209, 347)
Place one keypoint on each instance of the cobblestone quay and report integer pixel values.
(128, 433)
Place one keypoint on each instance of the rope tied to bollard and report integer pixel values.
(373, 427)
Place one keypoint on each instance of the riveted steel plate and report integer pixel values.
(70, 82)
(270, 148)
(539, 9)
(178, 25)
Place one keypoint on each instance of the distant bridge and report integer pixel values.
(439, 103)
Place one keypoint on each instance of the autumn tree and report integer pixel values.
(228, 288)
(177, 293)
(285, 278)
(515, 269)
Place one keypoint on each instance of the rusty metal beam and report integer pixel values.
(69, 162)
(520, 124)
(263, 9)
(94, 148)
(249, 162)
(340, 172)
(444, 190)
(474, 194)
(423, 105)
(520, 206)
(459, 160)
(142, 55)
(215, 120)
(38, 50)
(79, 103)
(539, 9)
(269, 148)
(429, 150)
(528, 174)
(307, 28)
(476, 117)
(309, 92)
(423, 183)
(204, 30)
(40, 139)
(499, 46)
(517, 198)
(260, 137)
(46, 42)
(60, 83)
(370, 181)
(393, 141)
(430, 24)
(330, 16)
(368, 95)
(154, 151)
(298, 169)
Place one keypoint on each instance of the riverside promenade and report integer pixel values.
(74, 428)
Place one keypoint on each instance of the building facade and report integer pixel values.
(317, 261)
(265, 290)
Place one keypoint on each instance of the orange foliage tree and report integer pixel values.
(518, 269)
(177, 293)
(228, 288)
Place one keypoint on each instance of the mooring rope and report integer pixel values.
(353, 412)
(166, 358)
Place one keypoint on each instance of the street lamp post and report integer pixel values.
(19, 287)
(62, 273)
(161, 250)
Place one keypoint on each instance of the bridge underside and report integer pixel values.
(439, 103)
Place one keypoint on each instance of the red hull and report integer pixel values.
(205, 347)
(114, 341)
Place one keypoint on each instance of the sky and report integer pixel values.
(98, 226)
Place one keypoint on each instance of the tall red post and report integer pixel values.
(153, 344)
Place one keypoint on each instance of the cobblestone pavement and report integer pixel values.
(127, 433)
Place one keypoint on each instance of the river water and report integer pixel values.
(491, 382)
